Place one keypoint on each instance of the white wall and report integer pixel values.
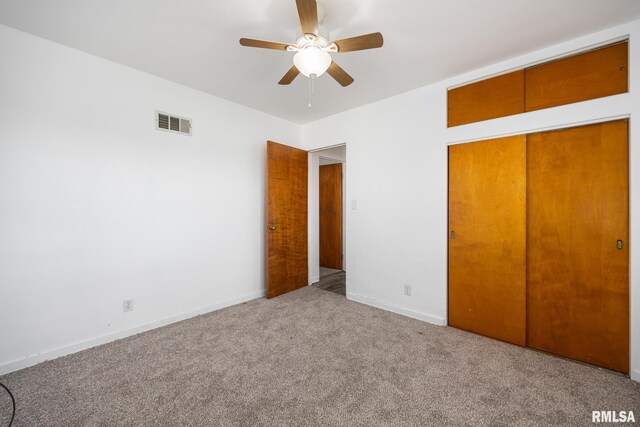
(336, 153)
(313, 218)
(97, 206)
(397, 173)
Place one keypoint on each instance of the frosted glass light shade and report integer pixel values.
(312, 60)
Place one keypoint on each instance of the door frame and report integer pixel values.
(314, 218)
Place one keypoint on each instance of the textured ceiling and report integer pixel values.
(195, 42)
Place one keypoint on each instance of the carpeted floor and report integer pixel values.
(308, 358)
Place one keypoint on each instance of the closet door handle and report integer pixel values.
(619, 244)
(453, 234)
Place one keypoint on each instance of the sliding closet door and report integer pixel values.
(487, 225)
(577, 243)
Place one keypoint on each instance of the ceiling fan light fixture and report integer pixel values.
(312, 60)
(314, 47)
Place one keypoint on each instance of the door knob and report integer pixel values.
(453, 234)
(272, 227)
(619, 244)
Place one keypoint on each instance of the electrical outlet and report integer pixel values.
(407, 290)
(127, 305)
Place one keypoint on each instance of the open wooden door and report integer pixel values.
(331, 216)
(287, 247)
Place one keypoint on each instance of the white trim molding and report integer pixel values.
(425, 317)
(36, 358)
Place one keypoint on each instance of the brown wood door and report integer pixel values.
(578, 278)
(287, 249)
(487, 241)
(331, 216)
(487, 99)
(589, 75)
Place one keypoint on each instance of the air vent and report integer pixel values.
(185, 126)
(173, 123)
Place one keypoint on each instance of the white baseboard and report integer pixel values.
(425, 317)
(635, 375)
(34, 359)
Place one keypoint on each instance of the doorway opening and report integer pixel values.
(327, 189)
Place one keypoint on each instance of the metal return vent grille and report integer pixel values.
(172, 123)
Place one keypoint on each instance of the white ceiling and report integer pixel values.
(195, 42)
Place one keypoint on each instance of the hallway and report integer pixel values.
(335, 282)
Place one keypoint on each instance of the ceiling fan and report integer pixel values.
(313, 52)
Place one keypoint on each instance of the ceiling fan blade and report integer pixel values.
(368, 41)
(263, 44)
(339, 74)
(308, 13)
(288, 78)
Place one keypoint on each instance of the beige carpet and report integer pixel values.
(312, 358)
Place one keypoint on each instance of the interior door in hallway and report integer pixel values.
(577, 243)
(286, 199)
(330, 179)
(487, 240)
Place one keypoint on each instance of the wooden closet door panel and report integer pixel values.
(589, 75)
(578, 280)
(487, 213)
(487, 99)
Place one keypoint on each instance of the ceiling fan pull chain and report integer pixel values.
(311, 77)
